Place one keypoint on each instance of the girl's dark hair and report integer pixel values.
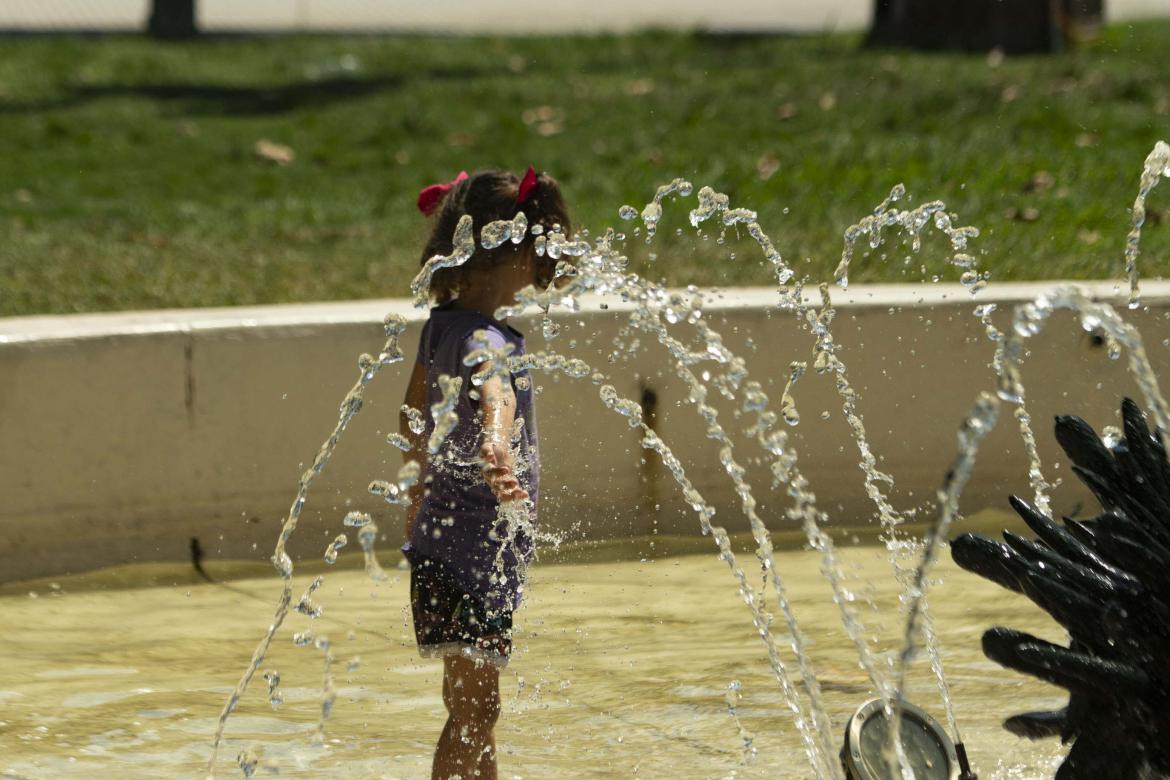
(489, 196)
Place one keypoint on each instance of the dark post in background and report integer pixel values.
(172, 19)
(1015, 27)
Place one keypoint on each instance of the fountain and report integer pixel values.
(705, 365)
(1104, 580)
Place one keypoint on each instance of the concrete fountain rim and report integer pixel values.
(101, 325)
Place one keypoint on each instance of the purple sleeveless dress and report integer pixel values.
(457, 524)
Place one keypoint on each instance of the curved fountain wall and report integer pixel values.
(126, 435)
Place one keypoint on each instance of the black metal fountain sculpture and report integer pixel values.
(1106, 580)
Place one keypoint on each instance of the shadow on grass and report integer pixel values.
(237, 100)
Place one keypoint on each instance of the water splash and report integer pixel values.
(1157, 165)
(397, 440)
(733, 697)
(492, 361)
(443, 413)
(393, 493)
(356, 519)
(712, 204)
(645, 318)
(334, 548)
(463, 247)
(247, 761)
(275, 697)
(367, 536)
(328, 691)
(912, 222)
(514, 522)
(600, 269)
(787, 404)
(784, 465)
(813, 727)
(305, 605)
(971, 433)
(652, 212)
(818, 750)
(497, 233)
(901, 550)
(1030, 319)
(391, 353)
(1040, 486)
(414, 422)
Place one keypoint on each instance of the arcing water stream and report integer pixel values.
(675, 321)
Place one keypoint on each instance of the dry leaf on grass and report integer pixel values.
(1027, 214)
(274, 152)
(1040, 181)
(639, 87)
(766, 166)
(787, 111)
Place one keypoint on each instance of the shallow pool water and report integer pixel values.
(622, 669)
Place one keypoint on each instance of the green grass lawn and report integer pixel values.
(128, 177)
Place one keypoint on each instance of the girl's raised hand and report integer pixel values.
(499, 473)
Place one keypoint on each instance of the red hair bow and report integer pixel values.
(527, 185)
(429, 197)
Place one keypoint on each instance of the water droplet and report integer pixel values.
(394, 324)
(357, 519)
(650, 217)
(283, 564)
(275, 698)
(414, 417)
(495, 233)
(247, 760)
(368, 366)
(1112, 436)
(334, 548)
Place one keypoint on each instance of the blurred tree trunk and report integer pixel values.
(1083, 20)
(979, 25)
(172, 19)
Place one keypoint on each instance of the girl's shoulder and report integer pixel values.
(448, 337)
(456, 324)
(447, 324)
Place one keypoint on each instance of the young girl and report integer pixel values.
(456, 546)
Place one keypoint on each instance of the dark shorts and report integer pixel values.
(448, 621)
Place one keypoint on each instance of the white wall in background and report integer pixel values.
(124, 435)
(481, 16)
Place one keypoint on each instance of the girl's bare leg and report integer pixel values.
(467, 746)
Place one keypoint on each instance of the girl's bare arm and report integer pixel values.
(498, 406)
(416, 398)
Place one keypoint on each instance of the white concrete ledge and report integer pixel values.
(137, 323)
(125, 435)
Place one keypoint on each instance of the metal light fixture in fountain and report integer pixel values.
(1105, 580)
(928, 749)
